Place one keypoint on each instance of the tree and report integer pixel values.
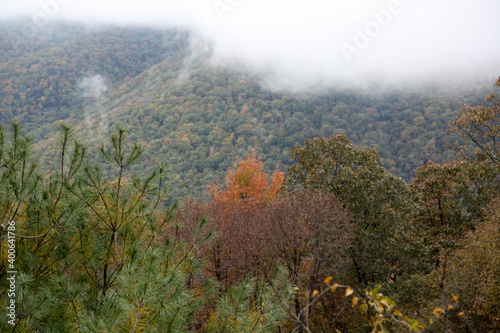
(19, 178)
(251, 307)
(234, 213)
(480, 125)
(93, 254)
(308, 233)
(440, 192)
(451, 197)
(246, 180)
(378, 201)
(473, 274)
(456, 211)
(461, 207)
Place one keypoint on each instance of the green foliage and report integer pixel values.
(456, 204)
(196, 117)
(249, 308)
(42, 76)
(378, 201)
(99, 255)
(442, 216)
(98, 249)
(380, 312)
(473, 274)
(18, 176)
(89, 251)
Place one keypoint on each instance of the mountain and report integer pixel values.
(196, 117)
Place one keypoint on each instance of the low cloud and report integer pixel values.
(300, 44)
(93, 86)
(96, 117)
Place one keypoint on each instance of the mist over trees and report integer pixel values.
(203, 202)
(197, 117)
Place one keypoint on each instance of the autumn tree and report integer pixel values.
(474, 267)
(480, 126)
(309, 233)
(378, 201)
(239, 252)
(233, 211)
(247, 180)
(473, 274)
(451, 197)
(455, 205)
(440, 192)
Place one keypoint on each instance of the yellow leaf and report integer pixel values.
(348, 291)
(460, 314)
(397, 313)
(450, 307)
(328, 280)
(455, 298)
(354, 301)
(431, 321)
(334, 287)
(315, 293)
(437, 312)
(414, 325)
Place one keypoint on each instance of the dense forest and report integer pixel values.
(144, 189)
(197, 118)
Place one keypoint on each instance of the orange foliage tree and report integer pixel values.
(234, 210)
(247, 180)
(306, 232)
(234, 213)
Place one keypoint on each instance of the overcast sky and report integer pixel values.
(306, 42)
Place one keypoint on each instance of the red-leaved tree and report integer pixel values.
(307, 232)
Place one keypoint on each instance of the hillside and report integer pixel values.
(197, 118)
(147, 186)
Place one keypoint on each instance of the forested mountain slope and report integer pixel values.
(196, 118)
(41, 78)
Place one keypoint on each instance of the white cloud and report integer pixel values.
(299, 41)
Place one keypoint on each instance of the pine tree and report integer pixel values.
(94, 254)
